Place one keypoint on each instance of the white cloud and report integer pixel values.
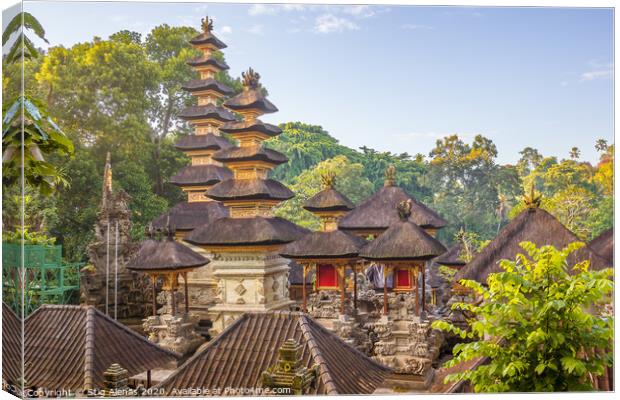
(359, 11)
(417, 27)
(598, 71)
(265, 9)
(226, 30)
(328, 23)
(255, 30)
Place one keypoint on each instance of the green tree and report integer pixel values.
(538, 324)
(22, 47)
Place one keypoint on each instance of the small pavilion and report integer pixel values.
(168, 259)
(329, 252)
(403, 249)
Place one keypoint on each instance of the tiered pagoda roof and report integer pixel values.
(377, 212)
(249, 194)
(206, 117)
(165, 255)
(403, 241)
(532, 225)
(330, 243)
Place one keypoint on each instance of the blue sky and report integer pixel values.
(398, 78)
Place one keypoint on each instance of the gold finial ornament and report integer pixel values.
(390, 176)
(107, 174)
(404, 209)
(533, 200)
(250, 78)
(328, 179)
(207, 24)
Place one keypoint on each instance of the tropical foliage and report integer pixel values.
(538, 324)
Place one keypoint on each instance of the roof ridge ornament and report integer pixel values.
(207, 24)
(250, 79)
(328, 179)
(404, 209)
(390, 176)
(533, 200)
(169, 229)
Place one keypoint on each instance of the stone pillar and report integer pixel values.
(115, 381)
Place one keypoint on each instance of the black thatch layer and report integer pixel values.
(603, 244)
(334, 244)
(165, 255)
(251, 126)
(452, 257)
(202, 142)
(208, 38)
(202, 61)
(377, 212)
(404, 240)
(208, 111)
(246, 231)
(196, 85)
(238, 189)
(186, 216)
(250, 153)
(250, 99)
(296, 274)
(199, 175)
(329, 199)
(532, 225)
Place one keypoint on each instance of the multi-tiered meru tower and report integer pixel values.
(251, 275)
(203, 172)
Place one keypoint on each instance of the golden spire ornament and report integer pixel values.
(207, 24)
(328, 179)
(250, 78)
(533, 200)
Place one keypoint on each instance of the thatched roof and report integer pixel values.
(246, 231)
(402, 241)
(255, 125)
(208, 111)
(377, 212)
(603, 244)
(11, 346)
(452, 257)
(328, 199)
(69, 348)
(186, 216)
(250, 99)
(196, 85)
(208, 38)
(532, 225)
(237, 189)
(165, 255)
(202, 61)
(327, 245)
(202, 142)
(238, 356)
(200, 175)
(250, 153)
(295, 275)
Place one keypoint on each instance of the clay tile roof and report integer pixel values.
(202, 142)
(377, 212)
(452, 257)
(404, 240)
(163, 255)
(237, 357)
(603, 244)
(206, 111)
(236, 189)
(334, 244)
(196, 85)
(250, 99)
(200, 61)
(11, 346)
(187, 216)
(208, 38)
(200, 175)
(532, 225)
(246, 231)
(255, 125)
(329, 199)
(69, 347)
(250, 153)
